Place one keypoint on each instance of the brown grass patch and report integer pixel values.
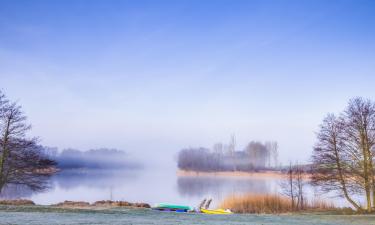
(100, 204)
(16, 202)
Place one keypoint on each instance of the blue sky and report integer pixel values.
(152, 77)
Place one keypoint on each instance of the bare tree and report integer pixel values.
(343, 157)
(288, 186)
(290, 190)
(21, 159)
(258, 154)
(275, 153)
(293, 186)
(272, 153)
(268, 146)
(360, 133)
(332, 161)
(218, 148)
(299, 183)
(232, 149)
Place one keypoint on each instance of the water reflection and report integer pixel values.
(202, 186)
(12, 191)
(101, 179)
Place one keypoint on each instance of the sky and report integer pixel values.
(153, 77)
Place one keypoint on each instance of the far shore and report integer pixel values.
(261, 174)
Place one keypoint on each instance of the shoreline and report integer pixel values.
(30, 208)
(237, 174)
(261, 174)
(98, 205)
(78, 206)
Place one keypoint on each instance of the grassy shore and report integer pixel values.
(242, 204)
(40, 215)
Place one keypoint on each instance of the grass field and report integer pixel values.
(34, 215)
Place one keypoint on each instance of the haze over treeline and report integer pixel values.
(224, 157)
(101, 158)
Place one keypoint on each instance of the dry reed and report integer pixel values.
(270, 204)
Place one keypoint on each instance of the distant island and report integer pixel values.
(257, 156)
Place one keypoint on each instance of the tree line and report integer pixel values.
(221, 157)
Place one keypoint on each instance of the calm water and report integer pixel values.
(37, 216)
(151, 186)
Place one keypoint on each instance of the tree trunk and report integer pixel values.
(366, 173)
(291, 185)
(342, 180)
(370, 166)
(4, 155)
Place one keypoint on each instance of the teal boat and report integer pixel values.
(172, 207)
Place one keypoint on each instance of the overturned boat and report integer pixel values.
(172, 207)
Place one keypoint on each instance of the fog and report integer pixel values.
(102, 158)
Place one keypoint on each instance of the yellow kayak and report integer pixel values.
(216, 211)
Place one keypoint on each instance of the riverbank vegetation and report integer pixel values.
(272, 204)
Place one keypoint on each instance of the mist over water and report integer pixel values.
(110, 174)
(148, 185)
(151, 185)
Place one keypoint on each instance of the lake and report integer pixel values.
(149, 185)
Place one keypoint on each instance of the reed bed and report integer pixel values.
(270, 204)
